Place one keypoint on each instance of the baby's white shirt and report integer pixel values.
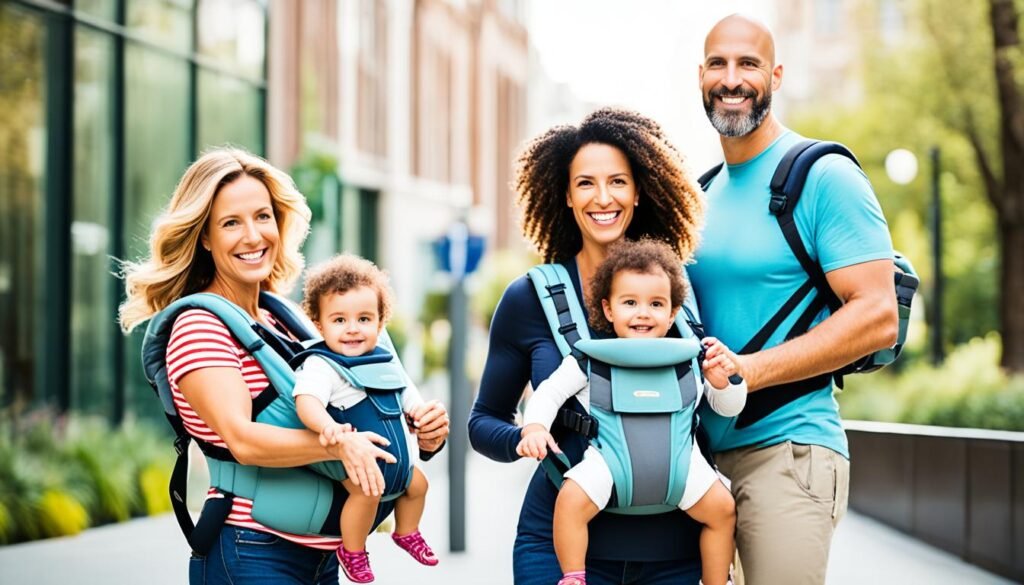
(318, 378)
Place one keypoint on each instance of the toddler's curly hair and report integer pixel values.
(341, 274)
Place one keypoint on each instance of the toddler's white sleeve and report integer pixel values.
(315, 378)
(411, 397)
(549, 396)
(728, 401)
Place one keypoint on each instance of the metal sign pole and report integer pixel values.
(459, 407)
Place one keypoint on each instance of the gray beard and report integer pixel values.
(734, 125)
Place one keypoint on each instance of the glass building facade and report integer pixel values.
(103, 103)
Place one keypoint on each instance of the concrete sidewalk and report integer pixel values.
(152, 550)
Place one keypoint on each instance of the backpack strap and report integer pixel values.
(710, 174)
(786, 187)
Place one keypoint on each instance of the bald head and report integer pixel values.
(738, 30)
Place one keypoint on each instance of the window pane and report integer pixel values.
(22, 169)
(232, 32)
(157, 151)
(230, 111)
(105, 9)
(167, 22)
(93, 288)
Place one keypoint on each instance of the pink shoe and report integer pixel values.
(355, 565)
(574, 578)
(418, 548)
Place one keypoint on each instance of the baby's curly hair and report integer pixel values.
(645, 256)
(341, 274)
(671, 206)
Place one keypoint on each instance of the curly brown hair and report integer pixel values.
(645, 256)
(673, 206)
(341, 274)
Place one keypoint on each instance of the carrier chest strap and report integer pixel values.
(577, 422)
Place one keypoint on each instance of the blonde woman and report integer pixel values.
(233, 228)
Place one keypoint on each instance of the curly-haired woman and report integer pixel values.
(233, 228)
(581, 189)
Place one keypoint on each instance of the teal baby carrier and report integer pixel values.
(304, 501)
(643, 394)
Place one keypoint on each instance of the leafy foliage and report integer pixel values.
(967, 390)
(59, 477)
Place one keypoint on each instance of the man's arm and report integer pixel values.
(867, 321)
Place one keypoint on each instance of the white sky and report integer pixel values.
(641, 54)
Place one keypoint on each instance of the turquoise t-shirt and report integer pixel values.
(745, 271)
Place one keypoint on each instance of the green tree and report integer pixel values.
(978, 48)
(912, 101)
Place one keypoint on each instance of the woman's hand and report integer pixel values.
(430, 423)
(536, 442)
(359, 454)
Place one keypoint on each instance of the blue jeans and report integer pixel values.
(534, 563)
(260, 558)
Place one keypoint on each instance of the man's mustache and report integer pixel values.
(738, 92)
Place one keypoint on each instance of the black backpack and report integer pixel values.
(786, 187)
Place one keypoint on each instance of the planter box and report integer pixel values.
(961, 490)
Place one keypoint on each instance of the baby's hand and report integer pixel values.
(536, 442)
(719, 363)
(329, 434)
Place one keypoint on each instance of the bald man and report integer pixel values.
(786, 453)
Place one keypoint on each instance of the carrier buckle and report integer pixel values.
(181, 444)
(556, 288)
(588, 427)
(778, 203)
(567, 328)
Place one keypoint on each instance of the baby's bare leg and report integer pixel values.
(573, 512)
(717, 512)
(357, 516)
(409, 506)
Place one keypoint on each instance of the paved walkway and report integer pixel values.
(152, 551)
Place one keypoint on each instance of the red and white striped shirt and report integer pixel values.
(200, 340)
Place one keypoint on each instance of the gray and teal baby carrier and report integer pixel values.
(307, 500)
(643, 394)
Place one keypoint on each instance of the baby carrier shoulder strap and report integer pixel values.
(226, 474)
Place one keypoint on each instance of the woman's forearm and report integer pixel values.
(270, 446)
(493, 437)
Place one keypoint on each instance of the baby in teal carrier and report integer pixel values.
(349, 301)
(637, 292)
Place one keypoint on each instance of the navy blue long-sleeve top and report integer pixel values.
(522, 349)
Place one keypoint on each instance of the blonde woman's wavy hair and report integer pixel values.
(178, 265)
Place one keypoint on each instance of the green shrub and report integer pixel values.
(967, 390)
(59, 476)
(153, 480)
(60, 514)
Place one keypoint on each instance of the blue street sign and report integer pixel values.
(459, 252)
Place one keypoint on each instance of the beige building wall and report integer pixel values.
(423, 103)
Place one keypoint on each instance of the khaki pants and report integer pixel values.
(789, 499)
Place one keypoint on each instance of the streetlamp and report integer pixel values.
(901, 166)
